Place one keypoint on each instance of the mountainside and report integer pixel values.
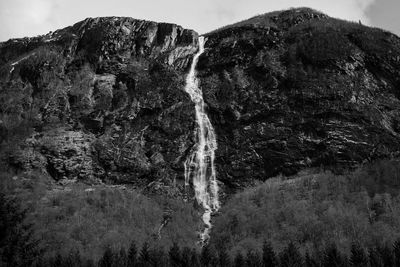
(104, 100)
(294, 89)
(97, 136)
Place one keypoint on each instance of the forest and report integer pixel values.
(315, 218)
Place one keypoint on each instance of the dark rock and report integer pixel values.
(110, 106)
(297, 89)
(103, 100)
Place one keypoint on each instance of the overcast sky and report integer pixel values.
(19, 18)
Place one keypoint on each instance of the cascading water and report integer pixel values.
(199, 166)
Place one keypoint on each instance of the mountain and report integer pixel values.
(102, 100)
(95, 125)
(296, 89)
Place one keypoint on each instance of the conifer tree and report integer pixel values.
(386, 254)
(175, 256)
(332, 257)
(239, 260)
(122, 258)
(40, 262)
(358, 257)
(185, 256)
(374, 257)
(396, 252)
(17, 245)
(309, 261)
(223, 258)
(253, 259)
(89, 263)
(132, 255)
(57, 261)
(206, 256)
(144, 256)
(73, 258)
(269, 256)
(291, 256)
(194, 259)
(107, 259)
(158, 258)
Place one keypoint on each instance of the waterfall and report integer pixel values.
(199, 166)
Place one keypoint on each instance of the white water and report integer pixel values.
(199, 166)
(19, 61)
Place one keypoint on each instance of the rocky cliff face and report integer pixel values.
(295, 89)
(103, 100)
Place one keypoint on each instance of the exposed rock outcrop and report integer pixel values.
(296, 89)
(103, 100)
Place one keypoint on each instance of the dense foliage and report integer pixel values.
(313, 218)
(87, 218)
(285, 91)
(314, 210)
(289, 256)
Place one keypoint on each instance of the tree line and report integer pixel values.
(290, 256)
(18, 247)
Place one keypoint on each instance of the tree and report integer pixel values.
(17, 245)
(238, 261)
(396, 252)
(205, 256)
(375, 257)
(358, 256)
(186, 257)
(158, 258)
(268, 255)
(57, 261)
(89, 263)
(386, 254)
(73, 258)
(291, 256)
(107, 259)
(309, 261)
(174, 253)
(253, 259)
(194, 259)
(121, 258)
(132, 255)
(144, 256)
(332, 257)
(223, 258)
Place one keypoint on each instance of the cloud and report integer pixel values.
(385, 14)
(36, 11)
(20, 18)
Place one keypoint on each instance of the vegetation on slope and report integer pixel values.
(86, 218)
(309, 90)
(315, 210)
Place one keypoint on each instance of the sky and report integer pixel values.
(19, 18)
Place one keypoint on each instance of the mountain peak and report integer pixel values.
(278, 19)
(105, 37)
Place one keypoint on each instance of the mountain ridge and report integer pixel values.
(95, 130)
(303, 54)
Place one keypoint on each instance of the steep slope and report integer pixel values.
(293, 89)
(102, 100)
